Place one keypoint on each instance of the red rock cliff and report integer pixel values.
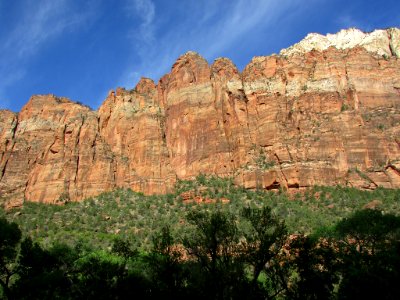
(324, 111)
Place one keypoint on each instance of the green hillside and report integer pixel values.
(136, 217)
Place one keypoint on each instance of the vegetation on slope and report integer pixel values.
(136, 217)
(319, 244)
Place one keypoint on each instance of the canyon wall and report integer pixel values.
(325, 111)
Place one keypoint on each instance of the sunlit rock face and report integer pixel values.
(325, 111)
(382, 42)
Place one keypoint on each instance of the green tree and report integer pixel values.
(167, 267)
(316, 266)
(99, 275)
(214, 245)
(369, 230)
(370, 255)
(44, 274)
(123, 248)
(10, 236)
(261, 249)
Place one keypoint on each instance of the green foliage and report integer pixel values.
(231, 255)
(264, 240)
(220, 255)
(212, 242)
(344, 107)
(263, 163)
(261, 248)
(369, 242)
(135, 218)
(123, 248)
(99, 274)
(136, 238)
(166, 268)
(10, 236)
(369, 230)
(38, 269)
(316, 268)
(64, 198)
(381, 127)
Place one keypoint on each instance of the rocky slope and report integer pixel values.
(325, 111)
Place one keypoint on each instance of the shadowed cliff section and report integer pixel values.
(315, 116)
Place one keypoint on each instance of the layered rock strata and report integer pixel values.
(320, 113)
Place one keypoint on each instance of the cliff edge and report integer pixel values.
(325, 111)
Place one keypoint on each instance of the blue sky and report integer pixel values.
(82, 49)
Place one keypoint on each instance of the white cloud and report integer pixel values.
(142, 14)
(47, 19)
(242, 19)
(39, 21)
(347, 21)
(145, 11)
(203, 27)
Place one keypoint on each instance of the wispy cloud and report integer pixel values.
(49, 19)
(145, 11)
(347, 21)
(209, 27)
(240, 20)
(141, 37)
(39, 21)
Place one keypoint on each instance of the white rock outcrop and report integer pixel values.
(384, 42)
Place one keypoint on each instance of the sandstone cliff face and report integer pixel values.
(132, 124)
(316, 114)
(55, 151)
